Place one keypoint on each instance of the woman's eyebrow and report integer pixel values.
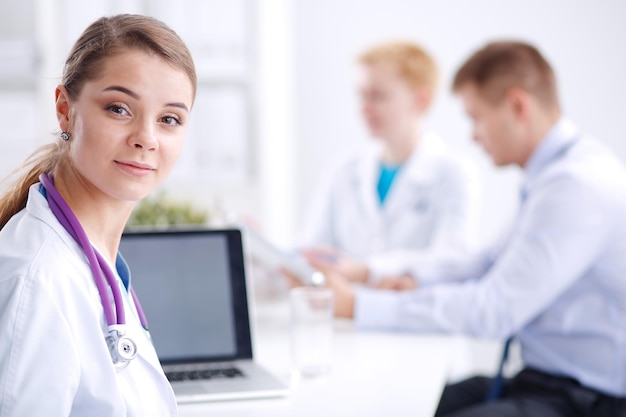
(179, 105)
(122, 90)
(136, 96)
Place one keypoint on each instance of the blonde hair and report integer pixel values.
(412, 63)
(104, 38)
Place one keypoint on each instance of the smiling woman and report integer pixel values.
(70, 349)
(127, 127)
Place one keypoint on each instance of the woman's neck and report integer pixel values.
(102, 217)
(397, 150)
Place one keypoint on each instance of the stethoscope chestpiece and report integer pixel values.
(121, 347)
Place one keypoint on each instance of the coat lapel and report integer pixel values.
(365, 181)
(415, 177)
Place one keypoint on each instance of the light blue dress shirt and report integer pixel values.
(559, 282)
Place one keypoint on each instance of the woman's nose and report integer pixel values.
(144, 137)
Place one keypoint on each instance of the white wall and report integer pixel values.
(306, 109)
(582, 39)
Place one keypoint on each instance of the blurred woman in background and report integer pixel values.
(406, 205)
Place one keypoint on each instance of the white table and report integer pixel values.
(373, 374)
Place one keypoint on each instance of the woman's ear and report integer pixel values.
(422, 99)
(62, 107)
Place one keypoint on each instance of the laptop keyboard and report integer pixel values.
(204, 373)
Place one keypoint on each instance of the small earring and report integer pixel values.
(65, 136)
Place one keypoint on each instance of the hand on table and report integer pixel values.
(342, 291)
(330, 261)
(397, 283)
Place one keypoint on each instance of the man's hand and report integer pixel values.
(397, 283)
(342, 290)
(344, 295)
(330, 261)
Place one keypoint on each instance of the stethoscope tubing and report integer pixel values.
(97, 264)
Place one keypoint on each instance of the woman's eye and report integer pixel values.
(171, 120)
(117, 109)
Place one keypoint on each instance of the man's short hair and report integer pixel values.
(499, 66)
(411, 62)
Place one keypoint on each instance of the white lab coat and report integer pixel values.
(428, 221)
(53, 357)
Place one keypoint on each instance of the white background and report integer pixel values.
(303, 109)
(584, 41)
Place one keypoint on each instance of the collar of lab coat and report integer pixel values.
(38, 206)
(418, 170)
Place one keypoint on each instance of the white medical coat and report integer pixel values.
(428, 221)
(53, 357)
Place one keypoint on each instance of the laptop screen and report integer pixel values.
(191, 285)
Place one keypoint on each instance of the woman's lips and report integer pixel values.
(135, 168)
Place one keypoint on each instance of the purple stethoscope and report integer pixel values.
(123, 349)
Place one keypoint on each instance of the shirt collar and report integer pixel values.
(557, 141)
(417, 168)
(123, 270)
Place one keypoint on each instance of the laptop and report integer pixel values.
(192, 288)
